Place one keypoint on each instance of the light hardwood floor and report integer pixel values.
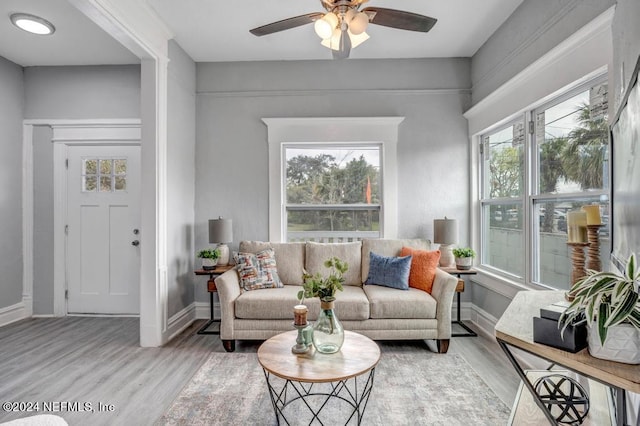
(98, 360)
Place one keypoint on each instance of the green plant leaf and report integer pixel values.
(622, 310)
(603, 315)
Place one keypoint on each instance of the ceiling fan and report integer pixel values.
(343, 26)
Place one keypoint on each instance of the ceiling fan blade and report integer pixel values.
(399, 19)
(286, 24)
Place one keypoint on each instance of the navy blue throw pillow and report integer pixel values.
(389, 271)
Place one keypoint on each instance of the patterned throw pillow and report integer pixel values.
(257, 271)
(389, 271)
(423, 267)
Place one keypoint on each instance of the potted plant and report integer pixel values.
(610, 305)
(209, 258)
(464, 257)
(328, 334)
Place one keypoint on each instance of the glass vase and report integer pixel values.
(328, 334)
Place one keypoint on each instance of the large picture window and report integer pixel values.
(333, 192)
(551, 160)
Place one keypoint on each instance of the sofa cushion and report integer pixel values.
(258, 270)
(278, 303)
(317, 253)
(289, 257)
(389, 271)
(387, 248)
(390, 303)
(423, 267)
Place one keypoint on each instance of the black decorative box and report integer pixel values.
(547, 332)
(554, 311)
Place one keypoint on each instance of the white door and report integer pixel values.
(103, 234)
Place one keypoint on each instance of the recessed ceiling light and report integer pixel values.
(33, 24)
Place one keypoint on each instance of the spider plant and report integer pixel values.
(606, 299)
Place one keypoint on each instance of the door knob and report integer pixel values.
(135, 243)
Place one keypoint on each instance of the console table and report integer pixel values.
(211, 288)
(515, 330)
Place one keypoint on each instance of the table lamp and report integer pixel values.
(445, 233)
(221, 232)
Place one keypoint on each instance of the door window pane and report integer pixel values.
(110, 174)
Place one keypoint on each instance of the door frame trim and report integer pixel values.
(65, 133)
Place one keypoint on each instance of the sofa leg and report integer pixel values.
(229, 345)
(443, 345)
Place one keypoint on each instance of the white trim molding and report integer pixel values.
(567, 63)
(13, 313)
(382, 130)
(181, 320)
(27, 218)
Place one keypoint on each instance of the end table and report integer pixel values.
(211, 288)
(459, 289)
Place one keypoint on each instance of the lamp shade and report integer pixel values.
(220, 230)
(445, 231)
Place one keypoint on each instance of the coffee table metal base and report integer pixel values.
(354, 392)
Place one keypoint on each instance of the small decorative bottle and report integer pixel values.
(328, 334)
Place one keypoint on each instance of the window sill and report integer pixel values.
(501, 285)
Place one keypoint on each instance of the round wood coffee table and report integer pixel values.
(314, 379)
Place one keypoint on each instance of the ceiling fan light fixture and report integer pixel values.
(359, 23)
(32, 24)
(324, 26)
(358, 39)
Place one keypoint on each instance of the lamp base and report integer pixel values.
(446, 256)
(224, 254)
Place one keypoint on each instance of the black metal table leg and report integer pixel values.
(470, 332)
(203, 329)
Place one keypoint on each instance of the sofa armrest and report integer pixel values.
(444, 287)
(228, 285)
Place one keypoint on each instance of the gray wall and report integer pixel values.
(533, 29)
(181, 139)
(82, 92)
(11, 113)
(231, 146)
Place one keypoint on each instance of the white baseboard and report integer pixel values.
(483, 320)
(13, 313)
(181, 320)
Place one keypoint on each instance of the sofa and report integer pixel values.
(378, 312)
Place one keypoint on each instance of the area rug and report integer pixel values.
(409, 389)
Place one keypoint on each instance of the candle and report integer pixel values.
(577, 226)
(593, 214)
(300, 315)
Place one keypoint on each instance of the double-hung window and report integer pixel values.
(550, 160)
(332, 192)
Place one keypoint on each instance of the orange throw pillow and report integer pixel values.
(423, 267)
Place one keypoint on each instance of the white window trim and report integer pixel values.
(348, 130)
(566, 66)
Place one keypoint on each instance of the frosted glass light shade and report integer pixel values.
(359, 23)
(33, 24)
(357, 40)
(324, 27)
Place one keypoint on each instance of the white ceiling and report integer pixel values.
(213, 30)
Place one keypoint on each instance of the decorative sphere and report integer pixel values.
(565, 398)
